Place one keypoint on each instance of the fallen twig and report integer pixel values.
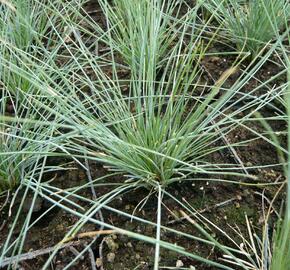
(33, 254)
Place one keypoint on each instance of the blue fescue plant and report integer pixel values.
(36, 28)
(251, 25)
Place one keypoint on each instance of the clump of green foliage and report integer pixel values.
(34, 30)
(250, 24)
(23, 144)
(163, 127)
(31, 36)
(141, 30)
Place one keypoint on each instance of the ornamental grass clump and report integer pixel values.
(157, 131)
(36, 29)
(157, 125)
(140, 30)
(31, 37)
(24, 144)
(251, 25)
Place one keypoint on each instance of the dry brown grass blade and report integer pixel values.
(90, 234)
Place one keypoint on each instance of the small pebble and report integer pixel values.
(179, 263)
(237, 205)
(99, 262)
(111, 257)
(137, 256)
